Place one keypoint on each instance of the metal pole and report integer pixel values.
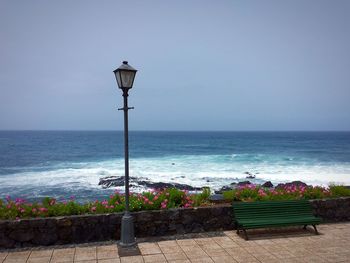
(127, 225)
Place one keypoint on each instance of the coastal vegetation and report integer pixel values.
(251, 192)
(152, 200)
(161, 199)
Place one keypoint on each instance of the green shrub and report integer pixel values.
(339, 190)
(153, 200)
(252, 192)
(203, 197)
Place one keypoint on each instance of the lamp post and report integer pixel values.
(125, 76)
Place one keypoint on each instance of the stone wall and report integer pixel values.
(332, 210)
(88, 228)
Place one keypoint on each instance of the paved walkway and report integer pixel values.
(287, 245)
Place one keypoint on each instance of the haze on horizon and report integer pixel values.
(202, 65)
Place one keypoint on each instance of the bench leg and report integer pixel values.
(245, 234)
(304, 226)
(315, 229)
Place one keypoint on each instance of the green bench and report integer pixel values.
(263, 214)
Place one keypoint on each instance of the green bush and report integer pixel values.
(199, 199)
(252, 192)
(339, 190)
(153, 200)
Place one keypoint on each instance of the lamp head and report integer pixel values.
(125, 76)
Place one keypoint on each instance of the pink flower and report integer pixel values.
(261, 192)
(34, 210)
(104, 202)
(93, 209)
(111, 206)
(155, 198)
(19, 201)
(43, 209)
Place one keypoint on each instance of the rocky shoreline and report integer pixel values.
(118, 181)
(115, 181)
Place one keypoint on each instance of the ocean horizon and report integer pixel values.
(62, 163)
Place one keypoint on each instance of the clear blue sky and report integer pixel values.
(203, 65)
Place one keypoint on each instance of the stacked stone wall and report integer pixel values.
(91, 228)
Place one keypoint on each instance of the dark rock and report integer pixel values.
(6, 242)
(216, 197)
(267, 184)
(110, 181)
(45, 237)
(161, 185)
(64, 222)
(250, 175)
(38, 223)
(196, 228)
(295, 183)
(243, 183)
(223, 189)
(22, 234)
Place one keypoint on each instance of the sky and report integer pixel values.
(202, 65)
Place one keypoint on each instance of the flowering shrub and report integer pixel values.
(153, 200)
(251, 192)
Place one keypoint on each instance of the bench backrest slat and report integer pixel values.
(272, 209)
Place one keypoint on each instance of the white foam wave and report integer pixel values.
(194, 170)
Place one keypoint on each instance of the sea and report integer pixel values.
(69, 164)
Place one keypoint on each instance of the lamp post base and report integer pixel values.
(127, 236)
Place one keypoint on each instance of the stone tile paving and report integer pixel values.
(283, 245)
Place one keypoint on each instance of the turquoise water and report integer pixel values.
(34, 164)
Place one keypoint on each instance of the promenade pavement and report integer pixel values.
(273, 245)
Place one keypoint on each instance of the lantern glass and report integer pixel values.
(117, 76)
(125, 76)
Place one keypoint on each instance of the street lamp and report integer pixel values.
(125, 76)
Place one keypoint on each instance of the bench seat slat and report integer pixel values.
(281, 220)
(276, 217)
